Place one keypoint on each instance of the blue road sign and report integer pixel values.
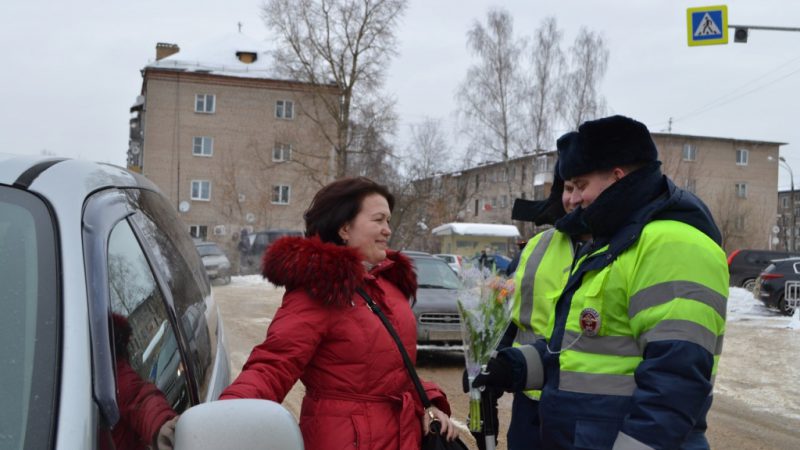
(707, 25)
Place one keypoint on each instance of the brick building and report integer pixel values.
(736, 178)
(230, 144)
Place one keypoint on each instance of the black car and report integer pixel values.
(770, 286)
(256, 244)
(745, 265)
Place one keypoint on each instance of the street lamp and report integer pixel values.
(781, 159)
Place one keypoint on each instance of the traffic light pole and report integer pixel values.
(740, 31)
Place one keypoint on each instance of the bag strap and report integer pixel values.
(406, 359)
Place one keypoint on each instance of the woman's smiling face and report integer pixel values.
(369, 231)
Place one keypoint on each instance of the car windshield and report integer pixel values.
(435, 274)
(209, 249)
(29, 323)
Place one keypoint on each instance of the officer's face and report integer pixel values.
(566, 197)
(587, 187)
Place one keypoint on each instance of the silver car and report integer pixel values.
(104, 299)
(435, 309)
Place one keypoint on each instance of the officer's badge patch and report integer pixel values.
(590, 321)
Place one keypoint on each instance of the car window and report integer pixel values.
(29, 326)
(146, 347)
(209, 249)
(177, 260)
(435, 273)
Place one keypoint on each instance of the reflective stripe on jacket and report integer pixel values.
(540, 277)
(636, 342)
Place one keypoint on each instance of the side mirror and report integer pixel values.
(250, 424)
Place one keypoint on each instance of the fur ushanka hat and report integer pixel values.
(604, 144)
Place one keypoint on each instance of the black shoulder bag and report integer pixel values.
(433, 440)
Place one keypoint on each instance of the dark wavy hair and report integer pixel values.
(339, 203)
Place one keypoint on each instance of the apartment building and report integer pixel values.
(736, 178)
(786, 230)
(230, 144)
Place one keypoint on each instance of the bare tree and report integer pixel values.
(491, 94)
(344, 44)
(545, 89)
(420, 187)
(371, 153)
(589, 61)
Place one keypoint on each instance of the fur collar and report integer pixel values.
(331, 273)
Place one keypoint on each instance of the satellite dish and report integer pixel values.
(250, 217)
(135, 148)
(184, 206)
(775, 241)
(776, 229)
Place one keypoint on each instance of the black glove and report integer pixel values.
(499, 374)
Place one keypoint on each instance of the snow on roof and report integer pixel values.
(476, 229)
(218, 57)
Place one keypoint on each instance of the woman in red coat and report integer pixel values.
(358, 392)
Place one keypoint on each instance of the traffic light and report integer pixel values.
(740, 35)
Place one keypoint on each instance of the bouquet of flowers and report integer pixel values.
(484, 303)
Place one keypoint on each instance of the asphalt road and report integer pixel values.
(248, 307)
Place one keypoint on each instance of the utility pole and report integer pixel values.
(793, 220)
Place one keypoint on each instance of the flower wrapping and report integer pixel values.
(484, 303)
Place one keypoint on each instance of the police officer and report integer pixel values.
(629, 355)
(542, 273)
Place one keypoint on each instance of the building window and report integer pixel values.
(689, 152)
(477, 204)
(199, 231)
(201, 190)
(204, 103)
(739, 225)
(203, 146)
(691, 185)
(741, 190)
(282, 152)
(280, 194)
(284, 109)
(542, 164)
(503, 201)
(784, 202)
(742, 157)
(477, 184)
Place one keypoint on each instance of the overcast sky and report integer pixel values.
(71, 70)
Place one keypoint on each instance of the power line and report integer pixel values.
(736, 93)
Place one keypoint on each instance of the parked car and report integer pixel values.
(498, 262)
(435, 309)
(216, 263)
(745, 265)
(104, 298)
(258, 243)
(770, 287)
(454, 261)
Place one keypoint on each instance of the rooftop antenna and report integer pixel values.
(669, 127)
(240, 26)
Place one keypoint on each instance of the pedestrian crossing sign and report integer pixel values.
(707, 25)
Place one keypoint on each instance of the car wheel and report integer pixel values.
(784, 308)
(749, 284)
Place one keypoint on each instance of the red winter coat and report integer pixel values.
(143, 409)
(358, 392)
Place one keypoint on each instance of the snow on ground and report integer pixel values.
(759, 364)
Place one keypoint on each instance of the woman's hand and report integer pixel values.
(448, 429)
